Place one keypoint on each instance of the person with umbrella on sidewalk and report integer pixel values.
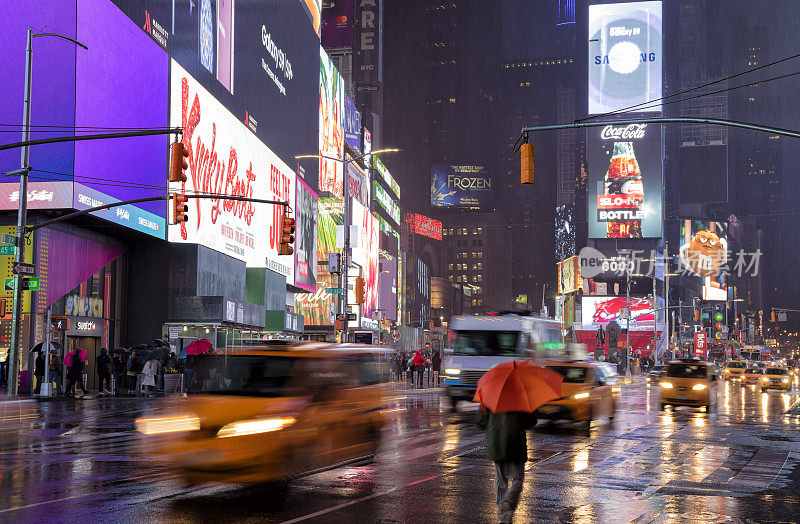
(38, 372)
(104, 372)
(74, 359)
(508, 395)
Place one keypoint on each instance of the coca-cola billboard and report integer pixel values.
(625, 57)
(625, 181)
(225, 158)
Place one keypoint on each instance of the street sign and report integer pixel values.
(718, 316)
(395, 335)
(8, 250)
(9, 239)
(781, 316)
(30, 284)
(59, 323)
(351, 317)
(21, 268)
(334, 290)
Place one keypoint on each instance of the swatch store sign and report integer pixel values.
(226, 158)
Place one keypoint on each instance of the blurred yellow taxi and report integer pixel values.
(587, 391)
(689, 383)
(734, 369)
(752, 376)
(275, 412)
(776, 378)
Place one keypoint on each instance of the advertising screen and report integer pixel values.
(386, 201)
(599, 311)
(624, 184)
(569, 275)
(625, 56)
(318, 308)
(424, 226)
(357, 184)
(331, 125)
(226, 158)
(366, 256)
(460, 186)
(259, 58)
(387, 177)
(704, 252)
(388, 287)
(352, 124)
(305, 245)
(565, 231)
(337, 24)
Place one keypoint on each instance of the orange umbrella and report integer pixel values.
(518, 385)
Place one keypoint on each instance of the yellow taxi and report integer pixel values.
(752, 376)
(587, 391)
(274, 412)
(734, 369)
(776, 378)
(689, 383)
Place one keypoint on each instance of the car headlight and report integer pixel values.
(171, 424)
(452, 371)
(785, 380)
(666, 385)
(699, 387)
(764, 379)
(580, 395)
(252, 427)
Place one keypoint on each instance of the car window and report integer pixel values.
(755, 371)
(775, 371)
(257, 376)
(737, 365)
(572, 375)
(486, 343)
(687, 371)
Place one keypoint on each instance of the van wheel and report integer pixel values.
(763, 390)
(452, 402)
(663, 406)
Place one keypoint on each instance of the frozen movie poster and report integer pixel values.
(331, 126)
(305, 245)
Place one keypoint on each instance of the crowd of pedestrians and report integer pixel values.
(419, 369)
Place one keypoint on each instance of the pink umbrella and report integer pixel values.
(200, 345)
(68, 356)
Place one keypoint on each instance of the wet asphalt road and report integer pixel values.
(76, 461)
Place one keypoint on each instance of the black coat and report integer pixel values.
(38, 369)
(76, 367)
(506, 440)
(104, 365)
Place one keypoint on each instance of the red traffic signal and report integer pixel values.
(287, 235)
(177, 162)
(179, 208)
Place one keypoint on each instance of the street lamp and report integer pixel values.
(22, 218)
(344, 264)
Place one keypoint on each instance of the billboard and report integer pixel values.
(352, 124)
(305, 245)
(599, 311)
(260, 59)
(357, 183)
(365, 255)
(337, 24)
(386, 202)
(460, 186)
(388, 287)
(625, 56)
(565, 231)
(226, 158)
(569, 275)
(318, 308)
(704, 252)
(368, 45)
(331, 126)
(625, 181)
(387, 177)
(424, 226)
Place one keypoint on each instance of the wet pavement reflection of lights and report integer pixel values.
(581, 460)
(764, 406)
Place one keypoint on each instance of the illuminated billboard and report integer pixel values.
(704, 252)
(460, 186)
(305, 244)
(386, 201)
(352, 124)
(424, 226)
(625, 57)
(331, 126)
(385, 175)
(599, 311)
(365, 256)
(565, 231)
(624, 196)
(569, 275)
(226, 158)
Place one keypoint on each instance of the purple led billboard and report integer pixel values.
(123, 83)
(337, 24)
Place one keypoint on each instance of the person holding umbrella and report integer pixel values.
(104, 372)
(38, 372)
(508, 394)
(74, 359)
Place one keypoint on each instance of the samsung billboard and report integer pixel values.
(625, 57)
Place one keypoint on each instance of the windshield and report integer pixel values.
(737, 365)
(686, 371)
(571, 375)
(775, 371)
(754, 371)
(486, 343)
(259, 376)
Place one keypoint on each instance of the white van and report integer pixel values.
(477, 344)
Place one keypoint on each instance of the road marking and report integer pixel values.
(374, 495)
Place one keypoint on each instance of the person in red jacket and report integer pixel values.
(419, 367)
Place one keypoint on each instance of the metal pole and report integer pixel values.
(44, 388)
(655, 314)
(345, 263)
(628, 323)
(666, 295)
(16, 312)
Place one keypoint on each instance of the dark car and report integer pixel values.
(654, 375)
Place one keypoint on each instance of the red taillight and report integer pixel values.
(491, 313)
(451, 336)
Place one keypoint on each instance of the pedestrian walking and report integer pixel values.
(149, 376)
(38, 372)
(56, 372)
(104, 372)
(75, 374)
(118, 368)
(601, 341)
(419, 368)
(506, 445)
(436, 364)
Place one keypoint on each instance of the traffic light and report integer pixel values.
(359, 291)
(287, 235)
(772, 316)
(179, 208)
(526, 163)
(177, 162)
